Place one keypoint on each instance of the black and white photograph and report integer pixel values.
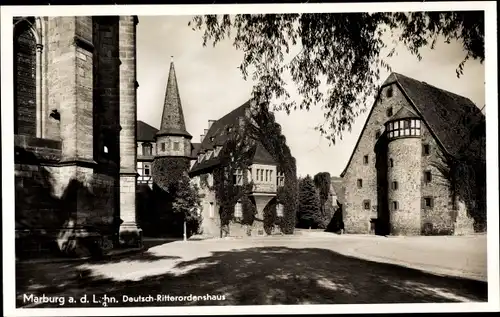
(266, 158)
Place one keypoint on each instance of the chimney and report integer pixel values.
(202, 136)
(210, 122)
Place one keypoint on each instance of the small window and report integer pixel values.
(262, 175)
(427, 149)
(428, 176)
(377, 135)
(176, 146)
(391, 162)
(367, 204)
(395, 205)
(365, 160)
(389, 113)
(428, 202)
(163, 146)
(105, 149)
(146, 169)
(212, 139)
(389, 92)
(395, 185)
(360, 183)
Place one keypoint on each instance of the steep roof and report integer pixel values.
(195, 147)
(219, 133)
(450, 117)
(337, 185)
(145, 132)
(172, 119)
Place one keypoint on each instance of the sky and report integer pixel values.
(211, 85)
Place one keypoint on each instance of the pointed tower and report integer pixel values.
(172, 139)
(173, 142)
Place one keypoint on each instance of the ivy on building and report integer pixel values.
(263, 127)
(237, 154)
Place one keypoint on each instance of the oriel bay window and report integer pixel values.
(404, 127)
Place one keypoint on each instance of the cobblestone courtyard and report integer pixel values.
(312, 268)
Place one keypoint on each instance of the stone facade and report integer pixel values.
(392, 183)
(74, 131)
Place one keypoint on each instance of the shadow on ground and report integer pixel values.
(267, 275)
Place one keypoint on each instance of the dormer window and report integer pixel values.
(229, 129)
(212, 139)
(217, 150)
(209, 154)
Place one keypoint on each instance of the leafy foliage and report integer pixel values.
(322, 182)
(309, 212)
(465, 173)
(262, 126)
(168, 170)
(236, 154)
(343, 50)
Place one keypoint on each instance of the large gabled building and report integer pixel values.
(172, 140)
(393, 182)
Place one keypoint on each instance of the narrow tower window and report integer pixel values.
(365, 159)
(163, 146)
(428, 202)
(389, 113)
(391, 162)
(176, 146)
(395, 205)
(395, 185)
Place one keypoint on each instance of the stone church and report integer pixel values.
(173, 141)
(75, 105)
(395, 181)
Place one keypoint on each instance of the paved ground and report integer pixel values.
(312, 268)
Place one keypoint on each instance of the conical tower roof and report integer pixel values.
(172, 119)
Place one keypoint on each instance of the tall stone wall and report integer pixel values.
(66, 188)
(440, 217)
(356, 218)
(406, 171)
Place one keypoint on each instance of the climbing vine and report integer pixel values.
(237, 154)
(262, 126)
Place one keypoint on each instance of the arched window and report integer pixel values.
(25, 79)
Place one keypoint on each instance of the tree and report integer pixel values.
(343, 50)
(322, 182)
(309, 212)
(186, 203)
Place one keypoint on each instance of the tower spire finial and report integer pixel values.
(171, 58)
